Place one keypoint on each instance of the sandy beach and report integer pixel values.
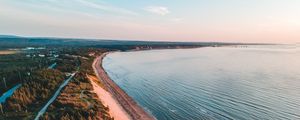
(115, 109)
(116, 98)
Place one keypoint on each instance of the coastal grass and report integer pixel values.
(97, 81)
(77, 100)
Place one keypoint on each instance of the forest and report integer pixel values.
(38, 84)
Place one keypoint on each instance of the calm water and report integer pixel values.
(258, 82)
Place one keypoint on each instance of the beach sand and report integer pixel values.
(115, 109)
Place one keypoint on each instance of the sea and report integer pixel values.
(241, 82)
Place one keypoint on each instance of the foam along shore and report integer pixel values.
(133, 110)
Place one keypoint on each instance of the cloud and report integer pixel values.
(91, 7)
(106, 7)
(160, 10)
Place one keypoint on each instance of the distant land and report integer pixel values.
(7, 41)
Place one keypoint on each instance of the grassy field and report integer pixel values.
(7, 52)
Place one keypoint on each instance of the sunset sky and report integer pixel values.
(168, 20)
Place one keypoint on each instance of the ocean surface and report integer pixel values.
(237, 82)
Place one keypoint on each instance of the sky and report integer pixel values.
(265, 21)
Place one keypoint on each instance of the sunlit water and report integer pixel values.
(254, 82)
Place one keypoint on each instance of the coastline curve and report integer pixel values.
(135, 111)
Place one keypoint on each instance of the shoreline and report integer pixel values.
(168, 48)
(135, 111)
(115, 109)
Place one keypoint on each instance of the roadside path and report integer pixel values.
(43, 110)
(85, 100)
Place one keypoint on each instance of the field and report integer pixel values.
(8, 52)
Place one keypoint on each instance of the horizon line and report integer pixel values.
(133, 40)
